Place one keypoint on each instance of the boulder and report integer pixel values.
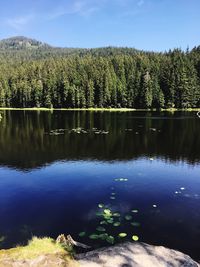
(135, 254)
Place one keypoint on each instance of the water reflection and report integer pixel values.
(32, 139)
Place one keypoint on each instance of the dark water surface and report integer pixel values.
(57, 167)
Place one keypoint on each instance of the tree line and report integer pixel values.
(106, 77)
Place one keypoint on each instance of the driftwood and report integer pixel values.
(69, 241)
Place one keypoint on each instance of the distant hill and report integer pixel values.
(20, 47)
(21, 42)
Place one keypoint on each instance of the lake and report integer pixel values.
(95, 175)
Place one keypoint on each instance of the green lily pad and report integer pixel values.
(98, 213)
(110, 239)
(110, 221)
(135, 237)
(107, 212)
(134, 211)
(103, 222)
(101, 206)
(122, 235)
(103, 236)
(113, 194)
(112, 198)
(121, 179)
(101, 229)
(128, 217)
(82, 234)
(94, 236)
(116, 214)
(136, 224)
(116, 224)
(2, 238)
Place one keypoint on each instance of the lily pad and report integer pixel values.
(121, 179)
(107, 212)
(112, 198)
(113, 193)
(110, 221)
(136, 224)
(116, 224)
(101, 229)
(98, 213)
(94, 236)
(2, 238)
(101, 206)
(103, 222)
(134, 211)
(128, 217)
(82, 234)
(122, 235)
(116, 214)
(135, 237)
(110, 239)
(103, 236)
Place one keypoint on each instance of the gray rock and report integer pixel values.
(135, 254)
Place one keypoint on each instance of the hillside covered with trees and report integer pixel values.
(33, 74)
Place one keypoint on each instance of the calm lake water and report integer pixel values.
(143, 168)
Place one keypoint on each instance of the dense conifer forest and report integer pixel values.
(33, 74)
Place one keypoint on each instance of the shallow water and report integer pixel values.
(56, 168)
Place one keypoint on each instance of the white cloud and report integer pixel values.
(18, 23)
(80, 7)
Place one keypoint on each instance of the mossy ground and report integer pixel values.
(37, 247)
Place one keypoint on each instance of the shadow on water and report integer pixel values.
(27, 139)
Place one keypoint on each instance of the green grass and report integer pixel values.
(36, 247)
(101, 109)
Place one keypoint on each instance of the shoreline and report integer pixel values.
(102, 109)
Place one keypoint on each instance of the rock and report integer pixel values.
(135, 254)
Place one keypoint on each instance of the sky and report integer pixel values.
(156, 25)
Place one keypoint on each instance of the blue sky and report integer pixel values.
(144, 24)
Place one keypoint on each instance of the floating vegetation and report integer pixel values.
(103, 222)
(128, 217)
(110, 239)
(135, 224)
(2, 238)
(116, 214)
(182, 188)
(122, 235)
(107, 212)
(94, 236)
(82, 234)
(135, 237)
(110, 219)
(57, 132)
(98, 213)
(121, 179)
(78, 130)
(151, 159)
(154, 206)
(103, 236)
(134, 211)
(96, 131)
(100, 229)
(152, 129)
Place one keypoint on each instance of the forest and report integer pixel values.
(110, 77)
